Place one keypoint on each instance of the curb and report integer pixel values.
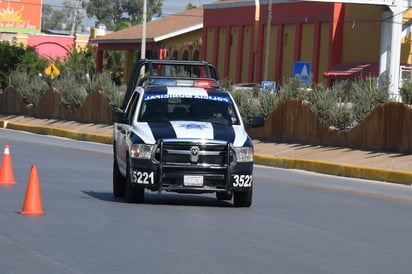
(98, 138)
(385, 175)
(370, 173)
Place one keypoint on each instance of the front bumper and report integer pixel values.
(170, 171)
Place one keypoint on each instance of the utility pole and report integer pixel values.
(143, 48)
(143, 43)
(74, 18)
(267, 41)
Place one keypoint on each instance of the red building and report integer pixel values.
(235, 36)
(250, 42)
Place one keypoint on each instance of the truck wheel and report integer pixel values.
(223, 196)
(119, 182)
(133, 194)
(242, 198)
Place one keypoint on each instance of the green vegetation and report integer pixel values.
(113, 14)
(9, 56)
(342, 106)
(61, 18)
(25, 70)
(104, 83)
(30, 88)
(406, 92)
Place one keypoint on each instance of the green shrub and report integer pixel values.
(292, 89)
(367, 95)
(322, 102)
(342, 116)
(79, 61)
(114, 93)
(31, 62)
(342, 106)
(226, 84)
(268, 103)
(9, 56)
(72, 92)
(332, 106)
(406, 92)
(248, 104)
(30, 88)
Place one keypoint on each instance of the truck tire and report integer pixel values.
(119, 182)
(133, 194)
(242, 198)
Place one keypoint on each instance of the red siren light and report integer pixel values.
(205, 83)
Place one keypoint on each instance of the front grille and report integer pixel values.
(180, 153)
(179, 157)
(203, 159)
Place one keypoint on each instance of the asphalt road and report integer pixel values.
(300, 222)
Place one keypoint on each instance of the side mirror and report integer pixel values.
(255, 121)
(119, 116)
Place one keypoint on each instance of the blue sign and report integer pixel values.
(302, 70)
(268, 86)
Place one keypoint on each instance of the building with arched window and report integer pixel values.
(252, 41)
(176, 36)
(20, 23)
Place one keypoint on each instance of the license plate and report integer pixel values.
(190, 180)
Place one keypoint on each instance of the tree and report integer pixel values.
(73, 14)
(134, 9)
(79, 62)
(114, 12)
(190, 6)
(9, 56)
(107, 12)
(61, 19)
(31, 62)
(52, 19)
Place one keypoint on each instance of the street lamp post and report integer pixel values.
(143, 43)
(267, 41)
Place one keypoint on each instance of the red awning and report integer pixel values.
(353, 71)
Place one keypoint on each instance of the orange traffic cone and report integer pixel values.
(6, 171)
(32, 203)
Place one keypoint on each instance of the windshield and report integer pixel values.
(162, 108)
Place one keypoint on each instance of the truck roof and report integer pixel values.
(148, 72)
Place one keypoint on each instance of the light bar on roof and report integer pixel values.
(201, 83)
(184, 83)
(162, 81)
(205, 83)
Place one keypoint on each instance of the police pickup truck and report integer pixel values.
(179, 131)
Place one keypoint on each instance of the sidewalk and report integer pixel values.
(389, 167)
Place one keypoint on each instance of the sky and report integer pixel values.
(169, 7)
(175, 6)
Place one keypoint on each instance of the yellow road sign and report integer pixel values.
(52, 71)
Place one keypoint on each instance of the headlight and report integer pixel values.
(243, 154)
(142, 151)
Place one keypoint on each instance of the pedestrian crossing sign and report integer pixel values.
(302, 70)
(52, 71)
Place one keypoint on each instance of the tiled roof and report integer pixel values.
(353, 70)
(159, 29)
